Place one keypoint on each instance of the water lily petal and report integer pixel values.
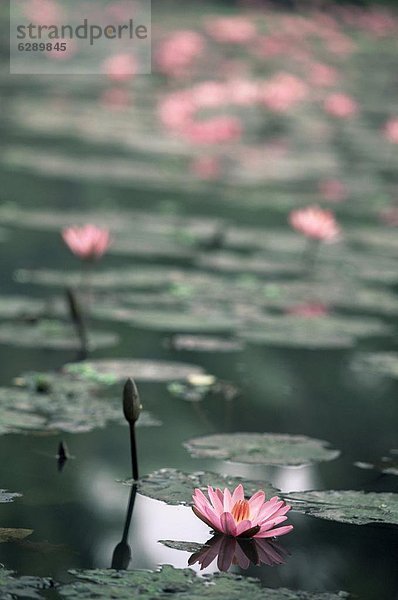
(227, 523)
(274, 532)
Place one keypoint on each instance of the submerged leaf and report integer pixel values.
(182, 584)
(8, 534)
(347, 506)
(262, 448)
(175, 487)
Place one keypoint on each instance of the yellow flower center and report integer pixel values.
(240, 511)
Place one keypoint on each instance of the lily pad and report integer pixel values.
(380, 240)
(262, 449)
(387, 465)
(53, 335)
(8, 534)
(347, 506)
(8, 496)
(168, 321)
(384, 363)
(20, 307)
(183, 546)
(55, 402)
(151, 246)
(316, 332)
(175, 487)
(182, 584)
(201, 343)
(335, 294)
(260, 264)
(139, 277)
(114, 371)
(12, 587)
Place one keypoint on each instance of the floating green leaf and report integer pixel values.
(8, 496)
(176, 321)
(12, 587)
(201, 343)
(262, 448)
(316, 332)
(384, 363)
(182, 584)
(113, 371)
(340, 294)
(57, 402)
(183, 546)
(53, 335)
(387, 465)
(347, 506)
(175, 487)
(20, 307)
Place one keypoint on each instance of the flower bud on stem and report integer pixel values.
(131, 409)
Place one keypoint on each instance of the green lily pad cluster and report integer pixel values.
(348, 506)
(176, 487)
(28, 587)
(58, 402)
(181, 584)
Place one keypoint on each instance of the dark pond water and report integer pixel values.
(78, 515)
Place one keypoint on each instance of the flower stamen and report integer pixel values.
(241, 511)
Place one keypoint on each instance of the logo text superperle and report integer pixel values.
(84, 31)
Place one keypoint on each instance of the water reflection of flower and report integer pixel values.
(241, 552)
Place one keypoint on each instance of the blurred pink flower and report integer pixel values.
(315, 223)
(390, 130)
(231, 30)
(231, 551)
(242, 92)
(121, 67)
(206, 167)
(341, 106)
(216, 130)
(232, 515)
(309, 310)
(176, 110)
(333, 190)
(88, 242)
(209, 94)
(176, 54)
(282, 92)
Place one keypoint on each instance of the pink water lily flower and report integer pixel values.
(233, 515)
(315, 223)
(88, 242)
